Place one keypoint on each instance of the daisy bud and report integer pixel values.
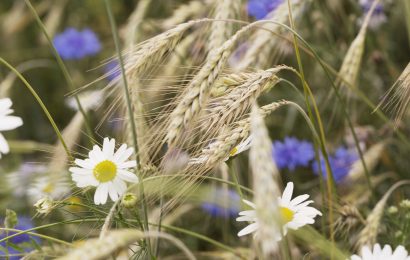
(129, 200)
(44, 205)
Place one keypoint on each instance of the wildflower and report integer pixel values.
(392, 210)
(44, 205)
(292, 153)
(405, 204)
(222, 203)
(340, 163)
(378, 17)
(105, 169)
(241, 147)
(7, 122)
(20, 180)
(129, 200)
(22, 241)
(46, 186)
(73, 44)
(261, 8)
(293, 213)
(400, 253)
(112, 70)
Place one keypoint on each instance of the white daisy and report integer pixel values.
(293, 213)
(48, 186)
(243, 146)
(7, 122)
(105, 169)
(382, 254)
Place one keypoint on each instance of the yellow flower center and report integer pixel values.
(286, 214)
(233, 151)
(105, 171)
(49, 188)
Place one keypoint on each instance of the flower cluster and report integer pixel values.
(292, 153)
(222, 203)
(7, 122)
(261, 8)
(340, 163)
(22, 241)
(294, 213)
(73, 44)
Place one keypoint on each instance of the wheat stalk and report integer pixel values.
(229, 137)
(221, 31)
(184, 12)
(371, 158)
(399, 95)
(266, 190)
(263, 42)
(197, 91)
(116, 240)
(368, 235)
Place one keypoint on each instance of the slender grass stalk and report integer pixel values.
(235, 178)
(40, 102)
(63, 69)
(52, 239)
(130, 111)
(330, 181)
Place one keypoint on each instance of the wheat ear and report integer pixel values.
(266, 190)
(198, 89)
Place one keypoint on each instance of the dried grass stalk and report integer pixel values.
(264, 42)
(184, 12)
(398, 97)
(368, 235)
(371, 158)
(114, 241)
(266, 189)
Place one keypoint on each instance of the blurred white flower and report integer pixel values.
(293, 213)
(20, 180)
(105, 169)
(7, 122)
(89, 100)
(48, 186)
(400, 253)
(243, 146)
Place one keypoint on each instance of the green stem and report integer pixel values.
(63, 69)
(35, 234)
(130, 111)
(40, 102)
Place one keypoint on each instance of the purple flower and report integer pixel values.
(260, 8)
(222, 203)
(23, 241)
(378, 17)
(340, 163)
(73, 44)
(112, 70)
(292, 153)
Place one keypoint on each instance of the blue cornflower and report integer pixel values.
(260, 8)
(23, 241)
(112, 70)
(292, 153)
(222, 203)
(340, 162)
(378, 17)
(73, 44)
